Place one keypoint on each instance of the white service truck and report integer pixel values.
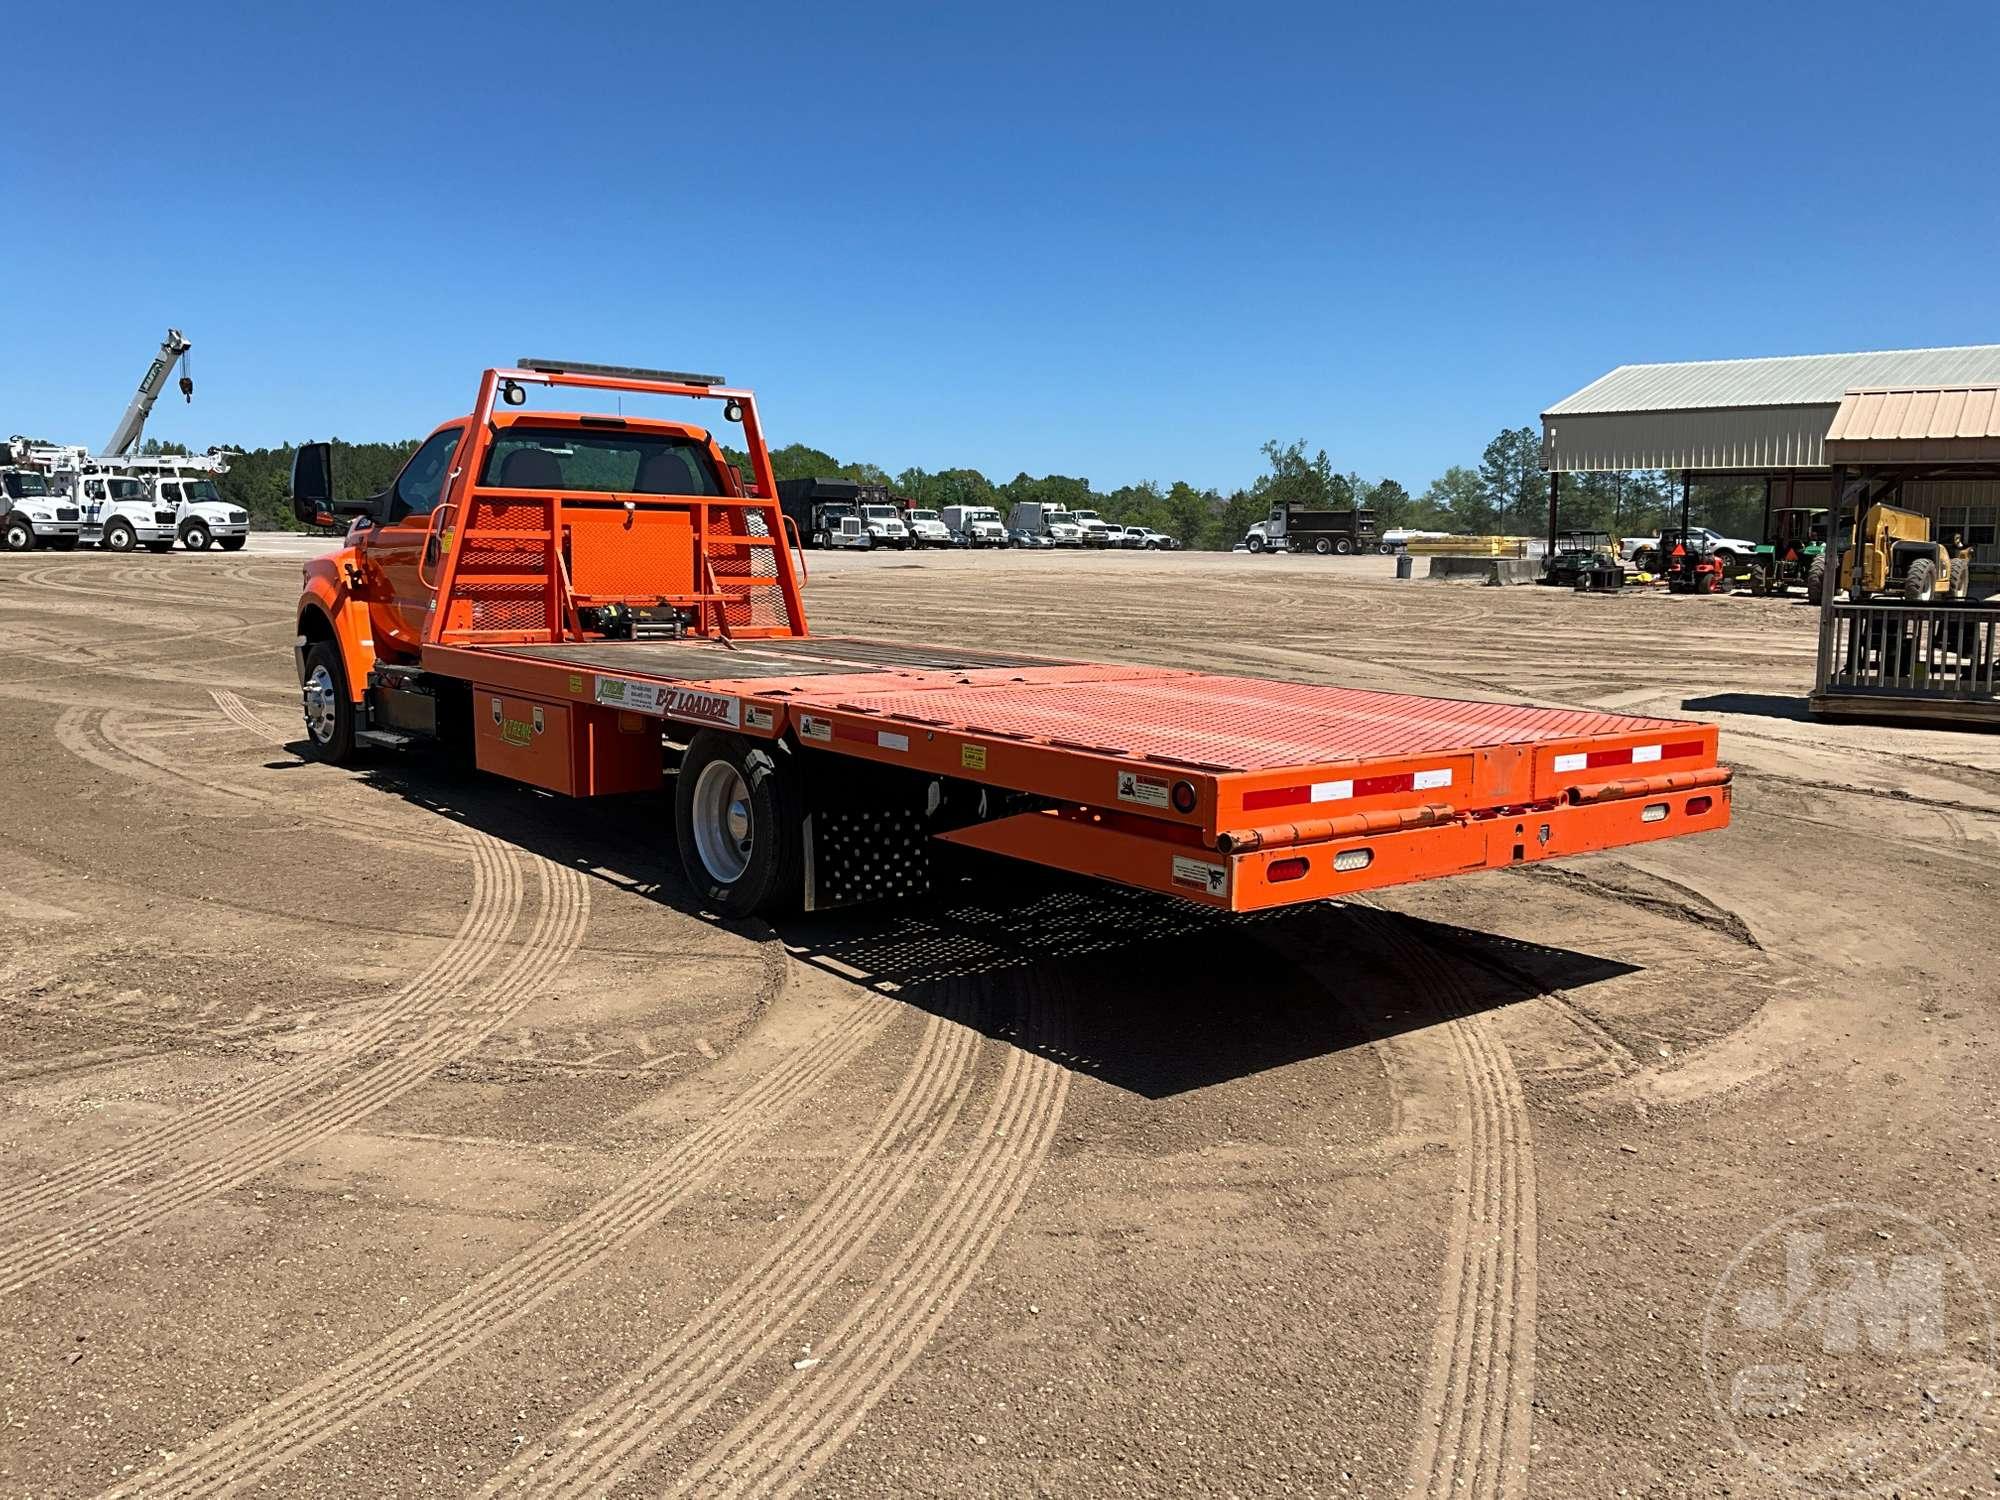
(980, 525)
(120, 513)
(883, 526)
(926, 530)
(186, 485)
(33, 515)
(1052, 521)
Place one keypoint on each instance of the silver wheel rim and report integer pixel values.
(724, 834)
(18, 536)
(322, 706)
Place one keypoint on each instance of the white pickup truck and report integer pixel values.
(1641, 551)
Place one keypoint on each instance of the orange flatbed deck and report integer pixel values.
(1236, 792)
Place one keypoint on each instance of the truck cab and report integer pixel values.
(1052, 521)
(926, 530)
(1096, 532)
(884, 526)
(32, 515)
(980, 525)
(120, 513)
(202, 518)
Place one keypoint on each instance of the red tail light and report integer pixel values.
(1699, 805)
(1286, 869)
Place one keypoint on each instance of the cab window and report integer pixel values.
(607, 462)
(421, 484)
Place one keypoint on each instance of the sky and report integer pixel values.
(1119, 242)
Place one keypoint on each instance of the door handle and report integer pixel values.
(433, 546)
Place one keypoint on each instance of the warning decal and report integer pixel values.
(814, 728)
(1200, 875)
(1147, 791)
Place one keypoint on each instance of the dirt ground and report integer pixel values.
(386, 1133)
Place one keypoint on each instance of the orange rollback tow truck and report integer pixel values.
(592, 604)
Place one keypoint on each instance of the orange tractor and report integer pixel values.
(597, 604)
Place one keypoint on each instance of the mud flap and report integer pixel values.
(867, 833)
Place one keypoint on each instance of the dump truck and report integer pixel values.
(1896, 552)
(1291, 527)
(596, 604)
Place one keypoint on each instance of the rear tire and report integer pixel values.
(166, 546)
(1343, 546)
(1816, 577)
(739, 821)
(232, 543)
(1961, 577)
(18, 535)
(329, 711)
(1920, 583)
(1322, 546)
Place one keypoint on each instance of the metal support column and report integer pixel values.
(1830, 583)
(1687, 484)
(1555, 503)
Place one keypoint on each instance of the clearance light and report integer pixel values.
(1655, 812)
(1353, 859)
(1285, 869)
(1699, 805)
(1183, 796)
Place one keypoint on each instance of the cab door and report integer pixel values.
(398, 557)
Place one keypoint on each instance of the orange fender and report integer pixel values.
(328, 596)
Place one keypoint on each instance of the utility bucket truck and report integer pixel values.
(596, 604)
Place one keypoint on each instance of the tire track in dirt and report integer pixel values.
(558, 929)
(271, 1437)
(782, 1443)
(1474, 1414)
(128, 750)
(238, 712)
(695, 1368)
(491, 912)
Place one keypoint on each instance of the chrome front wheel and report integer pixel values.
(322, 705)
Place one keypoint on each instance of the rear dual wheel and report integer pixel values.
(739, 819)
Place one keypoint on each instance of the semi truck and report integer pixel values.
(595, 604)
(818, 506)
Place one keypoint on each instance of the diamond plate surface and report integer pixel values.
(1226, 723)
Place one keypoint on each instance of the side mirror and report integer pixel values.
(312, 484)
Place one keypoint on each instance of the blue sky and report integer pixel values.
(1122, 242)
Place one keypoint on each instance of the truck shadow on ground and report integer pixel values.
(1151, 995)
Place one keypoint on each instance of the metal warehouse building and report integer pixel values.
(1765, 419)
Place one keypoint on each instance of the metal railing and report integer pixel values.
(1938, 651)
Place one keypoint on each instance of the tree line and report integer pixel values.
(1505, 492)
